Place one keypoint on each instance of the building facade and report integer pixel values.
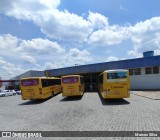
(144, 72)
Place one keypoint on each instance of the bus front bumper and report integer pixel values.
(115, 96)
(72, 94)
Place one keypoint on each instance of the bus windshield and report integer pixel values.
(30, 82)
(68, 80)
(116, 75)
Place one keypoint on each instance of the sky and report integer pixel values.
(51, 34)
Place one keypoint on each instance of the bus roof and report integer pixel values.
(40, 78)
(72, 76)
(116, 70)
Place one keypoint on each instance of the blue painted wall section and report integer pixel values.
(100, 67)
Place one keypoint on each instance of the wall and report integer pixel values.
(143, 81)
(100, 67)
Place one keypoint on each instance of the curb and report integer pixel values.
(146, 96)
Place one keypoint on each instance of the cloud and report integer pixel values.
(9, 69)
(12, 69)
(49, 65)
(93, 29)
(2, 61)
(75, 56)
(61, 25)
(28, 59)
(111, 58)
(70, 57)
(27, 9)
(40, 45)
(27, 50)
(145, 37)
(65, 26)
(123, 8)
(52, 65)
(108, 36)
(38, 54)
(50, 3)
(56, 24)
(8, 41)
(97, 21)
(23, 55)
(149, 25)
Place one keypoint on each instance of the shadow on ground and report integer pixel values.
(71, 98)
(39, 101)
(113, 101)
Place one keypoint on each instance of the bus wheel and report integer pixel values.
(52, 94)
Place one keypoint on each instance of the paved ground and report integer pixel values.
(155, 95)
(89, 113)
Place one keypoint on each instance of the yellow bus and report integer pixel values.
(72, 85)
(114, 84)
(39, 87)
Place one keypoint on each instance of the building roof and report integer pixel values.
(30, 73)
(100, 67)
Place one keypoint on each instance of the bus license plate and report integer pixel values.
(72, 91)
(117, 92)
(32, 94)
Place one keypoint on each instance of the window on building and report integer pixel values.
(152, 70)
(131, 71)
(148, 70)
(136, 71)
(155, 70)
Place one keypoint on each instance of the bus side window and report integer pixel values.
(44, 83)
(51, 82)
(57, 81)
